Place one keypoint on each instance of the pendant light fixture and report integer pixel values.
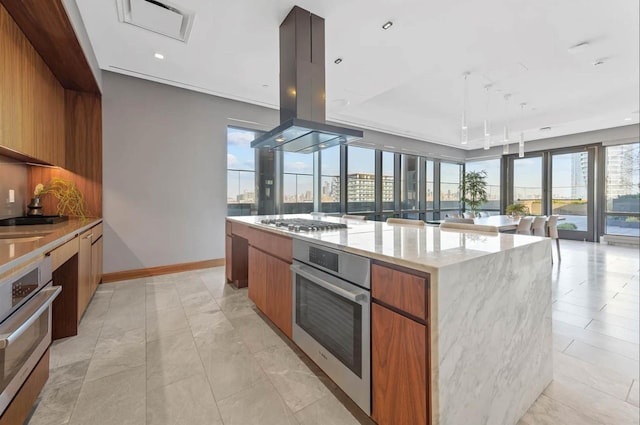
(505, 139)
(464, 128)
(487, 131)
(521, 141)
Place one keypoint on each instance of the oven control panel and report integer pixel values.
(24, 286)
(322, 258)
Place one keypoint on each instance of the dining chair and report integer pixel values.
(484, 214)
(552, 227)
(524, 226)
(539, 226)
(459, 220)
(468, 215)
(452, 215)
(392, 220)
(469, 227)
(354, 217)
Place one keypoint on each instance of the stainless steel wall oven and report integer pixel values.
(331, 315)
(25, 325)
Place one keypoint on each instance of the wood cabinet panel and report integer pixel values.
(240, 229)
(96, 261)
(279, 294)
(18, 411)
(399, 369)
(258, 278)
(228, 257)
(404, 291)
(227, 227)
(84, 273)
(278, 246)
(62, 253)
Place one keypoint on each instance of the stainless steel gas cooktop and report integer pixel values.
(303, 225)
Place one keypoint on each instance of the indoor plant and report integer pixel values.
(517, 209)
(70, 199)
(474, 189)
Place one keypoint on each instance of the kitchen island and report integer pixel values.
(461, 321)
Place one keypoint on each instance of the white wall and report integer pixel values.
(71, 7)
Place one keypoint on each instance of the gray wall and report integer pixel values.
(164, 181)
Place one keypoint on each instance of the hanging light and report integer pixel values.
(521, 141)
(505, 139)
(487, 132)
(464, 128)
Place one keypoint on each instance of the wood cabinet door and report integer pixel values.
(399, 369)
(96, 264)
(258, 278)
(228, 257)
(279, 294)
(84, 272)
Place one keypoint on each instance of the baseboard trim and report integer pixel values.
(160, 270)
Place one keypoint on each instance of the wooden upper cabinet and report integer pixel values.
(31, 99)
(400, 289)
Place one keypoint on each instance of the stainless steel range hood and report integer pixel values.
(302, 90)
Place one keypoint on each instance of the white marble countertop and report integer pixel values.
(13, 253)
(426, 248)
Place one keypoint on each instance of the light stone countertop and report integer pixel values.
(13, 254)
(426, 248)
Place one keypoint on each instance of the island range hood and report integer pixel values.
(302, 90)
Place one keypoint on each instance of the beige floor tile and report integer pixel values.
(297, 384)
(600, 378)
(163, 322)
(596, 339)
(256, 333)
(603, 358)
(114, 400)
(236, 305)
(172, 358)
(205, 324)
(185, 402)
(56, 403)
(634, 395)
(71, 350)
(561, 342)
(596, 404)
(326, 411)
(117, 353)
(571, 319)
(162, 299)
(125, 317)
(258, 405)
(623, 333)
(219, 287)
(229, 364)
(547, 411)
(69, 373)
(199, 302)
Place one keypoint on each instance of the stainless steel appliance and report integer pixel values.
(331, 315)
(303, 224)
(25, 325)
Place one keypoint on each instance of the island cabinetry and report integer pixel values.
(400, 351)
(270, 277)
(236, 254)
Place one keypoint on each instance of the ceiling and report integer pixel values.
(407, 80)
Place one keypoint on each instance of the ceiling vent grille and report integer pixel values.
(158, 16)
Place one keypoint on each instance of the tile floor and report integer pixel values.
(199, 353)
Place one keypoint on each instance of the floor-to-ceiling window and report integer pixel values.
(241, 172)
(450, 175)
(297, 183)
(330, 180)
(527, 183)
(429, 189)
(409, 179)
(622, 190)
(492, 168)
(361, 194)
(388, 181)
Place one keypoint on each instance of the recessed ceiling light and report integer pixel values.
(337, 61)
(265, 85)
(628, 119)
(387, 25)
(577, 48)
(158, 56)
(545, 128)
(598, 62)
(280, 139)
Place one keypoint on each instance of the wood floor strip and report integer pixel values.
(160, 270)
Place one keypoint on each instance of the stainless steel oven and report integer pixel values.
(331, 315)
(25, 325)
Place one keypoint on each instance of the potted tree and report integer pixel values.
(517, 209)
(474, 189)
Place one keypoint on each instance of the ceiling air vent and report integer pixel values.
(158, 16)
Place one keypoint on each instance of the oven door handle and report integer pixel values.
(355, 296)
(27, 315)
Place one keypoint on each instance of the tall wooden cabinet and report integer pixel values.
(399, 345)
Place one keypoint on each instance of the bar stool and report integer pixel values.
(552, 226)
(468, 215)
(539, 226)
(354, 217)
(392, 220)
(459, 220)
(524, 226)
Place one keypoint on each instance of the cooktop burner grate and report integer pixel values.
(303, 225)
